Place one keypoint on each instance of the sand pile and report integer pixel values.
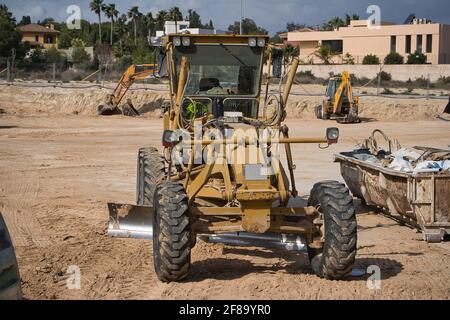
(374, 108)
(29, 101)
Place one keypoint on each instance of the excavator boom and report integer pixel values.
(132, 74)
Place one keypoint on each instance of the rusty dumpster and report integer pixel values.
(420, 200)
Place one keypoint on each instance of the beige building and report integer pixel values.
(39, 36)
(358, 39)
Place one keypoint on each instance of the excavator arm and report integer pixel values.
(132, 74)
(345, 90)
(345, 87)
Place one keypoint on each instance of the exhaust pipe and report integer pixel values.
(289, 242)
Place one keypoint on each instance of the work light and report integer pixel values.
(177, 41)
(186, 41)
(252, 42)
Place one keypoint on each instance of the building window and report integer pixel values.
(336, 46)
(393, 44)
(429, 43)
(408, 44)
(419, 43)
(36, 38)
(49, 39)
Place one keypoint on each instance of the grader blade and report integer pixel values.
(130, 221)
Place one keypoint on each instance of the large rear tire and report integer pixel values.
(338, 230)
(150, 171)
(171, 232)
(9, 271)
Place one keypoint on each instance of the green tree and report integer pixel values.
(98, 7)
(143, 53)
(134, 14)
(371, 59)
(194, 19)
(112, 13)
(417, 58)
(9, 36)
(348, 59)
(325, 54)
(121, 30)
(52, 55)
(350, 17)
(248, 27)
(149, 23)
(78, 43)
(332, 24)
(161, 18)
(25, 20)
(394, 58)
(292, 26)
(290, 52)
(80, 56)
(175, 14)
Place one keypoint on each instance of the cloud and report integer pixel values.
(270, 14)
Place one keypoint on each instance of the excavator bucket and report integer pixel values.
(130, 221)
(107, 109)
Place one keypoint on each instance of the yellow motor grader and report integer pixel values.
(219, 176)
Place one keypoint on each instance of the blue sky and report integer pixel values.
(270, 14)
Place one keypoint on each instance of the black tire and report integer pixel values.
(9, 271)
(150, 171)
(335, 260)
(171, 232)
(318, 111)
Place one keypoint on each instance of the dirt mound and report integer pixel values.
(30, 101)
(376, 108)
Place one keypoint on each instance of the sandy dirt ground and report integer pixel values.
(58, 171)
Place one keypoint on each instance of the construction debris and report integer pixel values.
(409, 184)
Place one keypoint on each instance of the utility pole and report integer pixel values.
(240, 25)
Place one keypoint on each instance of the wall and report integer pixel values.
(444, 56)
(398, 72)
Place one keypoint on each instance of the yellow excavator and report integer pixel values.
(339, 103)
(132, 74)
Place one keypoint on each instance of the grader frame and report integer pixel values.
(223, 196)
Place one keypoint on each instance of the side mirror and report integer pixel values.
(170, 139)
(332, 135)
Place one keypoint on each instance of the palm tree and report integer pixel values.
(324, 53)
(161, 18)
(175, 15)
(350, 17)
(97, 6)
(121, 30)
(112, 13)
(134, 13)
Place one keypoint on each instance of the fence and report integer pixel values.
(100, 78)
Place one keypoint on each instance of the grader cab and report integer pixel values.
(219, 176)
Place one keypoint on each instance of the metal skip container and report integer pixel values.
(420, 200)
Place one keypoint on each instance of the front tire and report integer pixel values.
(171, 232)
(150, 171)
(338, 230)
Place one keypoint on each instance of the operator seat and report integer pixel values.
(208, 84)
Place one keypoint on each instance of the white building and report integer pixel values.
(180, 27)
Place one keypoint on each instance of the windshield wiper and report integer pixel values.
(231, 54)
